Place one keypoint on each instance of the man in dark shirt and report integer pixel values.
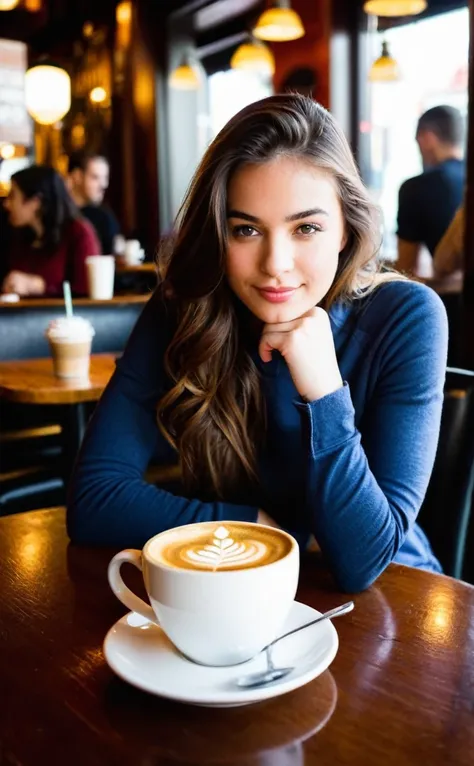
(88, 181)
(428, 202)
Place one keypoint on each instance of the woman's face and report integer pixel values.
(285, 233)
(21, 211)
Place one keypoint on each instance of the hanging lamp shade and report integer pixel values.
(98, 95)
(279, 23)
(33, 6)
(254, 57)
(7, 151)
(8, 5)
(184, 77)
(47, 93)
(395, 7)
(385, 68)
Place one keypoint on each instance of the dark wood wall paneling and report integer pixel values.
(132, 142)
(133, 152)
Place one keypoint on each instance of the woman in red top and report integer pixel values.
(52, 241)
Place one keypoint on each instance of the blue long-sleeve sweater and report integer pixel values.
(352, 468)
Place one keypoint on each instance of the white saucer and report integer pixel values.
(139, 652)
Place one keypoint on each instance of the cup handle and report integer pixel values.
(124, 594)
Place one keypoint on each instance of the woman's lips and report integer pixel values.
(277, 295)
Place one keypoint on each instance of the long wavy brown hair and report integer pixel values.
(214, 413)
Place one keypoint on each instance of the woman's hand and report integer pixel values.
(307, 345)
(264, 518)
(23, 284)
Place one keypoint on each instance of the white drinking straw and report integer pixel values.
(67, 299)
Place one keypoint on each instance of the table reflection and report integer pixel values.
(438, 618)
(271, 733)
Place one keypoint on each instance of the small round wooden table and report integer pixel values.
(32, 381)
(400, 691)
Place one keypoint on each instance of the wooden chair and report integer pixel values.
(30, 445)
(30, 459)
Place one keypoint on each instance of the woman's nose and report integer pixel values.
(277, 256)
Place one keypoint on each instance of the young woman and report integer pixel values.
(297, 386)
(52, 241)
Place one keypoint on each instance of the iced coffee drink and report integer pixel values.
(70, 340)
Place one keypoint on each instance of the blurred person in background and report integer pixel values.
(448, 271)
(448, 257)
(428, 202)
(5, 230)
(88, 181)
(50, 240)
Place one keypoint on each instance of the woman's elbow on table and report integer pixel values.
(87, 515)
(356, 576)
(79, 529)
(356, 581)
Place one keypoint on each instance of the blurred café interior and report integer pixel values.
(122, 99)
(112, 103)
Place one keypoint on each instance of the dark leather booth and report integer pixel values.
(23, 325)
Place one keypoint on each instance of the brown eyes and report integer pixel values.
(245, 231)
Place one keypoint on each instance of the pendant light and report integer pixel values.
(8, 5)
(98, 95)
(184, 77)
(7, 151)
(254, 56)
(395, 7)
(385, 68)
(280, 23)
(47, 93)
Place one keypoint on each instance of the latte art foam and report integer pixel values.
(224, 551)
(220, 547)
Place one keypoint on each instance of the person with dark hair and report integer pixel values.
(88, 178)
(52, 241)
(427, 202)
(296, 384)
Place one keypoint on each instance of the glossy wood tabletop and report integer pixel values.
(399, 692)
(117, 300)
(136, 268)
(32, 381)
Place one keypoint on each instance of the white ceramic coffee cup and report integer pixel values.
(133, 253)
(100, 276)
(213, 617)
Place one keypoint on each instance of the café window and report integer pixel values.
(432, 55)
(230, 91)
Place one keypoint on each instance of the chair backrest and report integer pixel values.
(446, 510)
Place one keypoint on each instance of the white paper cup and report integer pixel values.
(100, 276)
(133, 253)
(70, 340)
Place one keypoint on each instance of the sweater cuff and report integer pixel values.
(231, 512)
(328, 421)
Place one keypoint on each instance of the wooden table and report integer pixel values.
(400, 691)
(117, 300)
(136, 268)
(32, 381)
